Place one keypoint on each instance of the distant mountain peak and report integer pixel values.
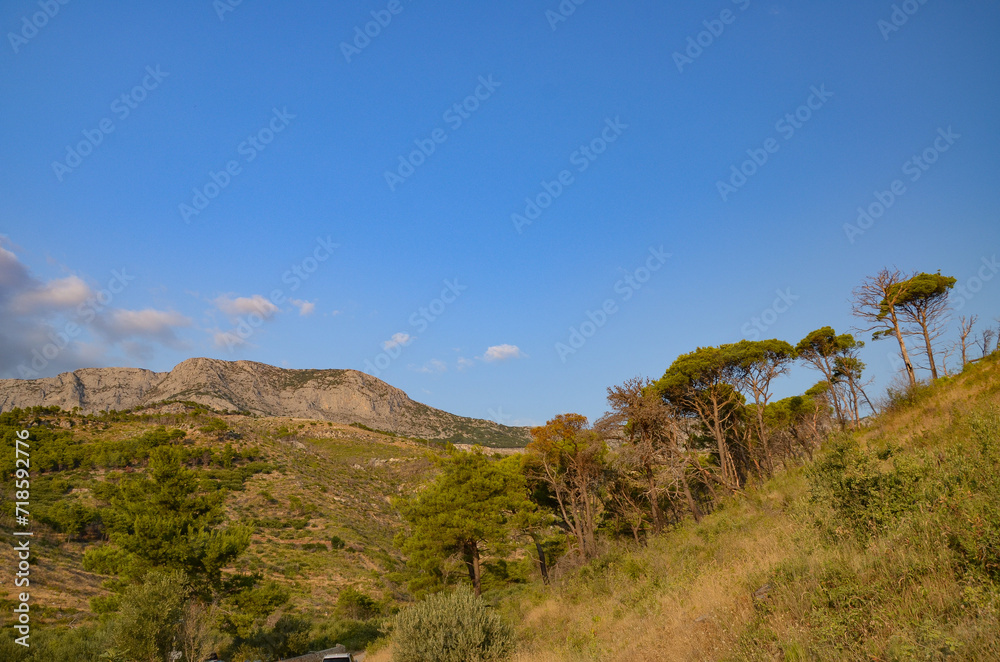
(341, 396)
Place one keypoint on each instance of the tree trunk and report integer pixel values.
(828, 373)
(902, 347)
(725, 458)
(654, 499)
(589, 526)
(927, 341)
(692, 504)
(472, 563)
(543, 567)
(768, 461)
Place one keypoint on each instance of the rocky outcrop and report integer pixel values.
(342, 396)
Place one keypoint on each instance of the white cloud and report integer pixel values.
(59, 294)
(62, 324)
(305, 307)
(239, 306)
(503, 353)
(397, 340)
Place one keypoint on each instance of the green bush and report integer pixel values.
(904, 397)
(970, 515)
(337, 542)
(869, 496)
(214, 425)
(452, 627)
(354, 605)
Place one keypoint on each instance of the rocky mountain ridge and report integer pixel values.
(341, 396)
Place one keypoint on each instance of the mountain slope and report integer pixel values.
(340, 396)
(887, 547)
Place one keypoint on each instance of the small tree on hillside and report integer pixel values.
(644, 421)
(986, 340)
(147, 623)
(964, 331)
(162, 521)
(569, 459)
(702, 383)
(877, 302)
(835, 356)
(760, 363)
(923, 306)
(471, 506)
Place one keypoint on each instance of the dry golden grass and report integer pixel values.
(689, 595)
(690, 601)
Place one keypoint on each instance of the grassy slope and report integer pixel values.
(342, 476)
(902, 594)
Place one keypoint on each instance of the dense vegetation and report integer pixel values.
(700, 518)
(203, 532)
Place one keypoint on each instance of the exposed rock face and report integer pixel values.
(342, 396)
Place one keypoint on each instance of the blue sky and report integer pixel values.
(624, 120)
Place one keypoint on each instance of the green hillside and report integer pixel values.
(316, 496)
(886, 547)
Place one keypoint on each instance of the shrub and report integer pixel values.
(337, 542)
(354, 605)
(214, 425)
(146, 623)
(870, 497)
(452, 627)
(899, 397)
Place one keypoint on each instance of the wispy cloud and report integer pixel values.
(159, 325)
(239, 306)
(61, 324)
(54, 295)
(503, 353)
(397, 340)
(305, 307)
